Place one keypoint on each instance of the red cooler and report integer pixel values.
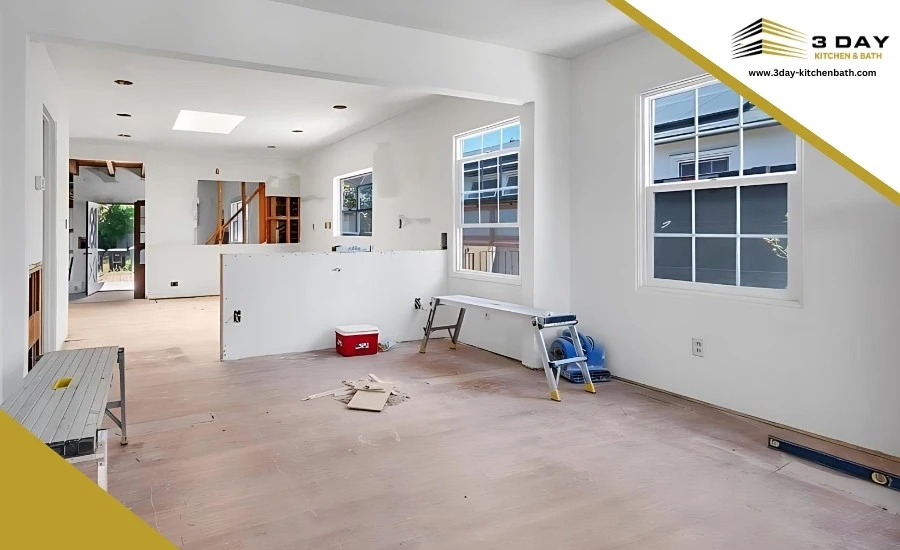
(353, 340)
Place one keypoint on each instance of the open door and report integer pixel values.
(137, 261)
(93, 248)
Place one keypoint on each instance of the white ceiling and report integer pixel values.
(273, 103)
(562, 28)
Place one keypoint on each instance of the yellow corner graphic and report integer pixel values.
(723, 76)
(47, 501)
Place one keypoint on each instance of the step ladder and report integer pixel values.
(552, 369)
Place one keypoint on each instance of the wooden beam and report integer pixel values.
(73, 167)
(219, 217)
(111, 168)
(233, 216)
(245, 219)
(263, 213)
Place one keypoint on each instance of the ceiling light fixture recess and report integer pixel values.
(339, 107)
(126, 115)
(270, 146)
(209, 123)
(121, 82)
(297, 131)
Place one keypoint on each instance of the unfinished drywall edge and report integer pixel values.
(872, 452)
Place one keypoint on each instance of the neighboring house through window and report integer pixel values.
(487, 220)
(355, 193)
(720, 181)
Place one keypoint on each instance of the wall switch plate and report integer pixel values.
(697, 347)
(39, 183)
(327, 225)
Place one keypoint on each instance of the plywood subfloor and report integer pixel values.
(227, 456)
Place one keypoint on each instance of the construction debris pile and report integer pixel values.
(367, 394)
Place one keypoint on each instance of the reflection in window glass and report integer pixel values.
(673, 212)
(717, 107)
(491, 250)
(764, 262)
(672, 258)
(511, 136)
(471, 146)
(715, 211)
(716, 260)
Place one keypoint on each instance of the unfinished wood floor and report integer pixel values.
(227, 456)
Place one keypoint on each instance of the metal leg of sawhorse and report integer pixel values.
(120, 404)
(101, 456)
(452, 329)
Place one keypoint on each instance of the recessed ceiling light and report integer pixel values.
(125, 135)
(210, 123)
(339, 107)
(297, 131)
(121, 82)
(126, 115)
(270, 146)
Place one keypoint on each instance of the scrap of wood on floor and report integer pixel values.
(367, 394)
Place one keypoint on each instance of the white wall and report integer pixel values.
(828, 367)
(96, 185)
(306, 295)
(29, 84)
(412, 160)
(171, 192)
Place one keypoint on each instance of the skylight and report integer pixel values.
(210, 123)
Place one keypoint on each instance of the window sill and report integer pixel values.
(727, 293)
(514, 280)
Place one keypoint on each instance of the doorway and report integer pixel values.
(107, 239)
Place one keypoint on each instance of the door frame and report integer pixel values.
(49, 256)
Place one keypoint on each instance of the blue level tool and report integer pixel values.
(836, 463)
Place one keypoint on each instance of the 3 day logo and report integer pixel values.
(766, 37)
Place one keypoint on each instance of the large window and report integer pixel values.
(487, 222)
(356, 204)
(719, 184)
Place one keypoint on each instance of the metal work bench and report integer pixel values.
(541, 319)
(63, 401)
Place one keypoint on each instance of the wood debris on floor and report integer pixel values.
(370, 394)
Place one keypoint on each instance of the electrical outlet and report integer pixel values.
(173, 283)
(697, 347)
(418, 303)
(237, 316)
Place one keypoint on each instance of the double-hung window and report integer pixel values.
(719, 194)
(487, 184)
(356, 203)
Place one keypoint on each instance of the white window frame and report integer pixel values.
(338, 213)
(646, 189)
(236, 231)
(458, 162)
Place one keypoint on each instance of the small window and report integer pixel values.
(356, 204)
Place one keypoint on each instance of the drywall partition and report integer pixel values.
(171, 194)
(829, 366)
(286, 303)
